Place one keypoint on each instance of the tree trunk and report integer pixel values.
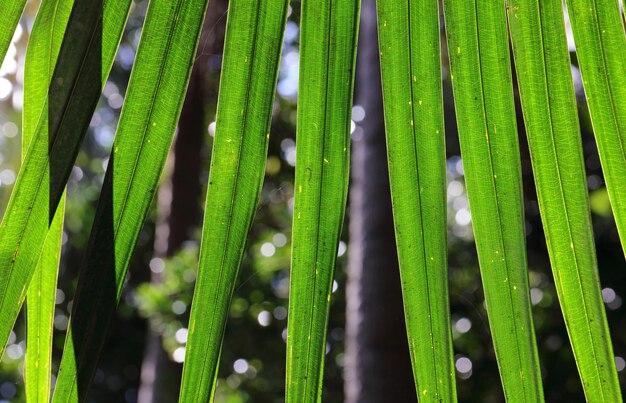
(377, 365)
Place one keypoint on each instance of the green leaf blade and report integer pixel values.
(601, 53)
(10, 13)
(478, 47)
(327, 58)
(43, 48)
(551, 119)
(40, 314)
(252, 50)
(153, 103)
(74, 91)
(412, 93)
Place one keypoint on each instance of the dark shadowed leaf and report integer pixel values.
(84, 62)
(154, 99)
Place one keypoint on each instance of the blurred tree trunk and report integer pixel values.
(377, 364)
(179, 199)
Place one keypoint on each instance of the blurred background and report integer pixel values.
(367, 355)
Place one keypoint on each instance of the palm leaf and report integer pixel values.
(254, 35)
(84, 62)
(154, 99)
(327, 58)
(483, 97)
(10, 13)
(601, 53)
(43, 48)
(411, 70)
(549, 106)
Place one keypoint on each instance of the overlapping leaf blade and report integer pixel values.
(85, 59)
(485, 110)
(411, 78)
(56, 121)
(154, 99)
(327, 58)
(10, 13)
(43, 48)
(550, 115)
(601, 52)
(254, 36)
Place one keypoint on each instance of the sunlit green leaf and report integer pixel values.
(601, 52)
(84, 62)
(327, 57)
(43, 48)
(153, 102)
(254, 36)
(549, 106)
(10, 13)
(483, 96)
(411, 77)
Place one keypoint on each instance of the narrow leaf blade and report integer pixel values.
(154, 99)
(254, 36)
(327, 57)
(85, 59)
(413, 104)
(485, 110)
(10, 13)
(551, 119)
(43, 48)
(601, 52)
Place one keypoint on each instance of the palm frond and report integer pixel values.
(43, 48)
(84, 62)
(549, 106)
(485, 110)
(327, 58)
(412, 95)
(254, 36)
(154, 99)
